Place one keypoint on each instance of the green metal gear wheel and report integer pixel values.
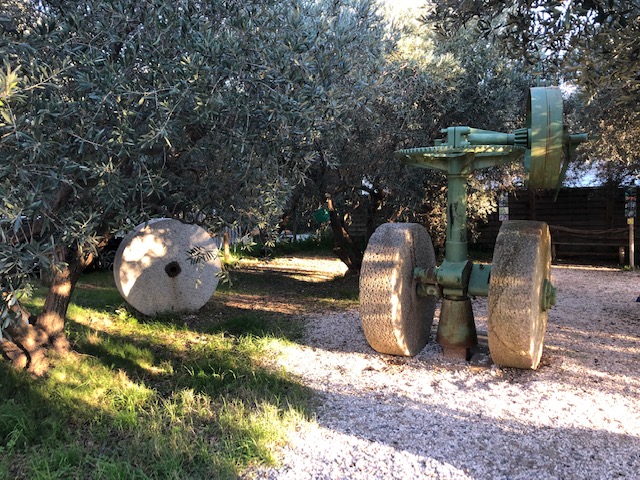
(425, 156)
(543, 160)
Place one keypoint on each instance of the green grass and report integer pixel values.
(168, 398)
(310, 247)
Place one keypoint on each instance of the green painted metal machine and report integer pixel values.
(400, 283)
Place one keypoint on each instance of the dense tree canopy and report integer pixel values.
(115, 111)
(244, 111)
(430, 82)
(592, 44)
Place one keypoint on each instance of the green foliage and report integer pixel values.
(429, 82)
(592, 45)
(112, 112)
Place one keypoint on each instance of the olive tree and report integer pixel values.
(430, 82)
(591, 44)
(114, 111)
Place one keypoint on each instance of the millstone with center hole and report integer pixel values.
(154, 271)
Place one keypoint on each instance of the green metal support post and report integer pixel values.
(456, 329)
(457, 158)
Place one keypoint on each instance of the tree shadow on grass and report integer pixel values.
(261, 302)
(197, 421)
(220, 364)
(45, 432)
(181, 430)
(296, 284)
(84, 421)
(219, 345)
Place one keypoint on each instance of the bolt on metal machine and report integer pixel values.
(400, 282)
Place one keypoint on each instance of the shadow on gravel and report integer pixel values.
(596, 324)
(483, 445)
(563, 421)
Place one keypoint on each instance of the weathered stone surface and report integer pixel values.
(516, 320)
(154, 272)
(394, 318)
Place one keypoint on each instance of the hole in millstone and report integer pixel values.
(173, 269)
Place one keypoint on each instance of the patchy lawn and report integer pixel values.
(189, 396)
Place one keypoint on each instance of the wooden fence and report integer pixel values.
(587, 222)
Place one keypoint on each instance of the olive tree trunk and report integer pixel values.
(27, 343)
(343, 245)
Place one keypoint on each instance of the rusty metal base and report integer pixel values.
(454, 353)
(456, 329)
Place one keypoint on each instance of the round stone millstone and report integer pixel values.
(517, 321)
(154, 271)
(395, 319)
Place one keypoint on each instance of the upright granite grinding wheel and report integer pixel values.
(155, 273)
(519, 283)
(395, 319)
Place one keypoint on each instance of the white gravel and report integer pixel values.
(383, 417)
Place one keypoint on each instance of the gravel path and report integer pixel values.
(383, 417)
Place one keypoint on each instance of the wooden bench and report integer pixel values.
(614, 238)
